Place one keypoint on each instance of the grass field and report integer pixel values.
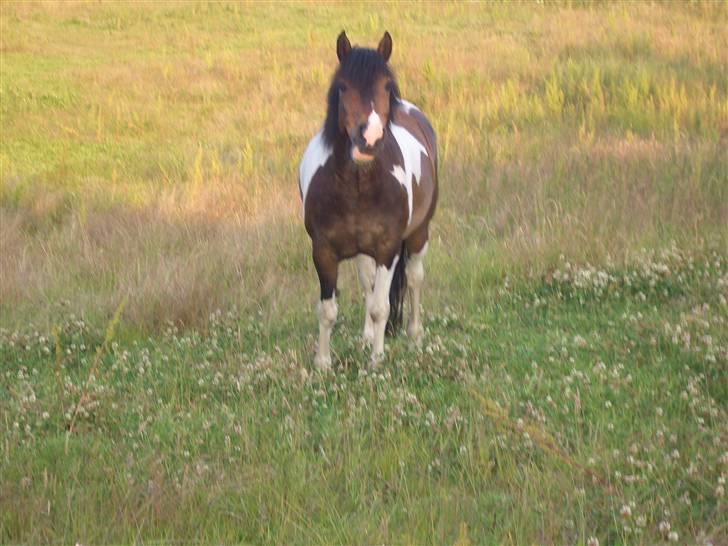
(157, 293)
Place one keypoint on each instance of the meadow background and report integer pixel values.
(157, 291)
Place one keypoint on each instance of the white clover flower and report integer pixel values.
(592, 541)
(672, 536)
(626, 511)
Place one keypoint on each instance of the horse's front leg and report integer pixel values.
(367, 267)
(378, 307)
(327, 267)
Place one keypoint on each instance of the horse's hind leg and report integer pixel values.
(367, 267)
(415, 271)
(327, 267)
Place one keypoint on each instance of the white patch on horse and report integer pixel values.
(315, 157)
(415, 272)
(378, 307)
(375, 129)
(367, 269)
(327, 311)
(408, 106)
(411, 149)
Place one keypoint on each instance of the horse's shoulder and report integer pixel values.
(316, 155)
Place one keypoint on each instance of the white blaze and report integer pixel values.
(375, 129)
(315, 156)
(411, 153)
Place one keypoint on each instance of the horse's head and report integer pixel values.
(361, 97)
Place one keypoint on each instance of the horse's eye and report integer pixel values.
(389, 85)
(342, 88)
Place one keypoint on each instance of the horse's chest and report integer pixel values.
(371, 226)
(361, 224)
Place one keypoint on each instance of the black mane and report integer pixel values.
(361, 67)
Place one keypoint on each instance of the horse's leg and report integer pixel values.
(379, 308)
(327, 267)
(367, 268)
(415, 270)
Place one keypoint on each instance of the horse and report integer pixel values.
(368, 185)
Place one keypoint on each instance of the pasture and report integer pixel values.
(156, 287)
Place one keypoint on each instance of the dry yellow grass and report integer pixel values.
(150, 150)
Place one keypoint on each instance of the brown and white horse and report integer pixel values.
(368, 183)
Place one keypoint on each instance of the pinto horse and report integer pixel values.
(368, 182)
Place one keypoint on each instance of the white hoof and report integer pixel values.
(416, 333)
(376, 360)
(322, 363)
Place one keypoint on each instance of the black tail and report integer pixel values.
(396, 294)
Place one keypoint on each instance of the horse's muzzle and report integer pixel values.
(361, 151)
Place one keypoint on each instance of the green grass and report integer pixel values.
(572, 384)
(535, 417)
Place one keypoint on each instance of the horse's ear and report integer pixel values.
(343, 46)
(385, 46)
